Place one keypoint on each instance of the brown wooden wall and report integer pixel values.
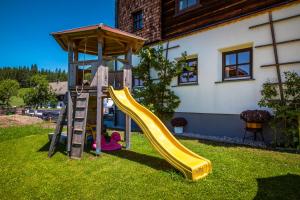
(151, 18)
(209, 13)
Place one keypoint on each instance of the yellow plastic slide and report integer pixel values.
(190, 164)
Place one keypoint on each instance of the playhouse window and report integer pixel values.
(237, 64)
(184, 4)
(189, 75)
(138, 20)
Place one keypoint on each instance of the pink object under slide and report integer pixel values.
(113, 144)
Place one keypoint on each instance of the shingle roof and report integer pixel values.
(116, 41)
(59, 88)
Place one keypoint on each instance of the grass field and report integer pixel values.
(238, 172)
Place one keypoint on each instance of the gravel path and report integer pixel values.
(13, 120)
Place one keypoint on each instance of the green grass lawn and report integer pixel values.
(140, 173)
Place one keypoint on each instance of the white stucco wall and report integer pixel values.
(234, 97)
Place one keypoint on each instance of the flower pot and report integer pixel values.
(254, 125)
(178, 130)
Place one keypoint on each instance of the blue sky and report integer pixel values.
(25, 26)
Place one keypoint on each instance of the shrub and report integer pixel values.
(178, 121)
(286, 111)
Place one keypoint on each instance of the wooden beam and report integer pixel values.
(274, 44)
(128, 83)
(99, 78)
(120, 42)
(70, 101)
(274, 21)
(76, 45)
(173, 47)
(113, 58)
(284, 63)
(278, 43)
(274, 83)
(70, 61)
(86, 62)
(76, 57)
(70, 122)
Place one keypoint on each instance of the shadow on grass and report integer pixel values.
(151, 161)
(60, 148)
(279, 187)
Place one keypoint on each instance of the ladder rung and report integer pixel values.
(79, 117)
(76, 143)
(80, 108)
(81, 102)
(81, 98)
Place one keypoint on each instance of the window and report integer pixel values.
(184, 4)
(190, 75)
(137, 82)
(237, 64)
(137, 20)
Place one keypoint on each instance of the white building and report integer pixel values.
(231, 61)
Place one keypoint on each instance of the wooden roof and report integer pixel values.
(59, 88)
(116, 42)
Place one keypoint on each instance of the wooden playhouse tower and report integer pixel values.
(85, 98)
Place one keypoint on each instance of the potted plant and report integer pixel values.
(255, 118)
(178, 123)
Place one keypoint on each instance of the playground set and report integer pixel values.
(89, 82)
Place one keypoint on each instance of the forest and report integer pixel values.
(23, 74)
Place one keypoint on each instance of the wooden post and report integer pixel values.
(127, 82)
(70, 102)
(99, 80)
(76, 43)
(276, 57)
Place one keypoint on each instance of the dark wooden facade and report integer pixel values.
(208, 13)
(174, 23)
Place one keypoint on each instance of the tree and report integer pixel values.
(39, 93)
(23, 74)
(8, 88)
(287, 112)
(156, 95)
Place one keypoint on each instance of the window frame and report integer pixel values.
(141, 83)
(178, 11)
(236, 52)
(179, 83)
(138, 21)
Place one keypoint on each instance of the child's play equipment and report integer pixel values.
(85, 101)
(112, 145)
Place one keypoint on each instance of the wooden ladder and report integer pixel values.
(79, 126)
(59, 126)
